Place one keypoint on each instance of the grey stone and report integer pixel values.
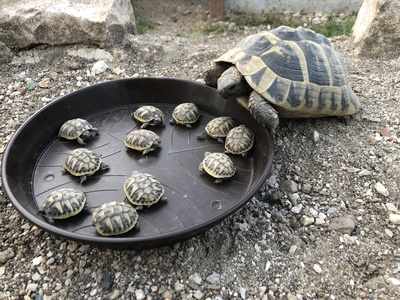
(5, 54)
(213, 278)
(342, 224)
(26, 23)
(288, 186)
(377, 28)
(6, 255)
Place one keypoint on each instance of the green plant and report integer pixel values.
(335, 27)
(142, 25)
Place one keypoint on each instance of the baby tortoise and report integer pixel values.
(142, 140)
(185, 114)
(63, 203)
(78, 129)
(143, 189)
(218, 128)
(82, 162)
(293, 73)
(239, 140)
(218, 165)
(149, 115)
(113, 218)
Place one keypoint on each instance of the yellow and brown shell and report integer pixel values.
(78, 129)
(64, 203)
(297, 71)
(82, 162)
(185, 114)
(218, 128)
(218, 165)
(149, 115)
(239, 140)
(113, 218)
(142, 140)
(143, 189)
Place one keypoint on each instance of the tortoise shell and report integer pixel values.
(143, 189)
(149, 115)
(296, 70)
(142, 140)
(218, 128)
(82, 162)
(64, 203)
(218, 165)
(113, 218)
(78, 129)
(185, 114)
(239, 140)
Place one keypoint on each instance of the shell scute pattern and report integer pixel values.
(185, 114)
(296, 70)
(143, 189)
(149, 115)
(83, 162)
(142, 140)
(78, 129)
(64, 203)
(218, 128)
(239, 140)
(217, 165)
(113, 218)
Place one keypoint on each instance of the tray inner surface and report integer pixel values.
(192, 198)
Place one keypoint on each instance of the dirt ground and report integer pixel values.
(325, 225)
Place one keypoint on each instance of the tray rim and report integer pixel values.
(121, 242)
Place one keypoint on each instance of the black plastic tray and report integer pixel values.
(31, 167)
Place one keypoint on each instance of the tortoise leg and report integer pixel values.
(80, 141)
(83, 178)
(263, 111)
(144, 125)
(218, 181)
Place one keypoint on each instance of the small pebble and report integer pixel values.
(140, 294)
(296, 209)
(213, 278)
(243, 293)
(306, 221)
(99, 67)
(317, 268)
(36, 277)
(32, 287)
(315, 136)
(380, 189)
(389, 233)
(36, 261)
(394, 218)
(178, 287)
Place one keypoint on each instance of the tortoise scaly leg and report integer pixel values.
(263, 111)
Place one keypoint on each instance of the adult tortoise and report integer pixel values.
(292, 73)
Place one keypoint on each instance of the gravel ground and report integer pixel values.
(325, 225)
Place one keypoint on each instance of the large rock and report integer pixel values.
(376, 30)
(26, 23)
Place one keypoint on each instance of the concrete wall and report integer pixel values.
(259, 6)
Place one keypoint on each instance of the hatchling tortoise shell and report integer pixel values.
(185, 114)
(142, 140)
(149, 115)
(113, 218)
(239, 140)
(296, 71)
(218, 165)
(63, 203)
(143, 189)
(82, 162)
(217, 128)
(78, 129)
